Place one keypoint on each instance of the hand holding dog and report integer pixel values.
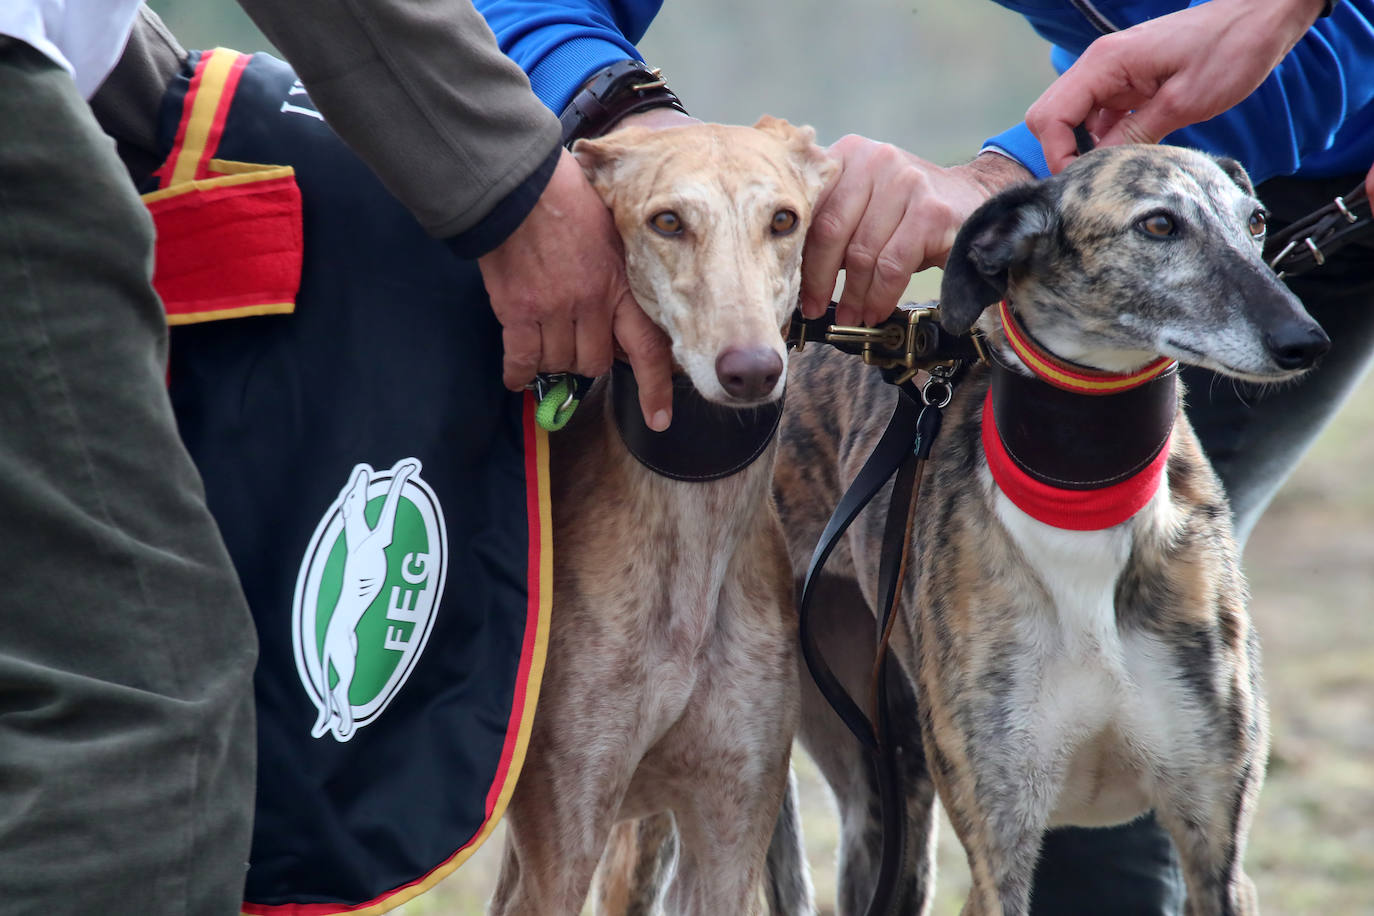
(885, 215)
(558, 287)
(1143, 83)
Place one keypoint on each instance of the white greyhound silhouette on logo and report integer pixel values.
(364, 574)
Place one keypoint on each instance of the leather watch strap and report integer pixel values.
(612, 94)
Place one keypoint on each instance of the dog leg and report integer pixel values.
(788, 889)
(996, 785)
(738, 738)
(566, 801)
(637, 863)
(1210, 839)
(545, 871)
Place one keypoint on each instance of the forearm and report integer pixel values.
(424, 95)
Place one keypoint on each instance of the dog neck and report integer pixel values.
(1071, 446)
(705, 441)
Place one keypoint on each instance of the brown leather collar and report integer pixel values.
(706, 441)
(1079, 441)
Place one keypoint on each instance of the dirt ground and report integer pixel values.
(1311, 569)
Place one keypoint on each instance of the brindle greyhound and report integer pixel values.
(1074, 619)
(670, 684)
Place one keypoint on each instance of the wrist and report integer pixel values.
(1286, 20)
(656, 119)
(613, 94)
(993, 171)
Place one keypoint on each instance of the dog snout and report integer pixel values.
(748, 373)
(1296, 344)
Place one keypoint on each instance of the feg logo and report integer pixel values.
(366, 595)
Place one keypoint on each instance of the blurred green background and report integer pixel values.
(937, 77)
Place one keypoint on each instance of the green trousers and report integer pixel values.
(127, 738)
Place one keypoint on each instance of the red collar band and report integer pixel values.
(1071, 376)
(1073, 510)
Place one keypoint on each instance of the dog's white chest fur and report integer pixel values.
(1092, 694)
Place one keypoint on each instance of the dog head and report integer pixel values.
(1132, 253)
(713, 218)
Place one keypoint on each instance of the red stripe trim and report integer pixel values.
(164, 172)
(231, 83)
(1072, 510)
(533, 595)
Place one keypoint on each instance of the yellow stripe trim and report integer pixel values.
(246, 173)
(245, 311)
(202, 118)
(1051, 371)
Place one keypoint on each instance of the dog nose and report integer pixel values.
(1297, 345)
(748, 373)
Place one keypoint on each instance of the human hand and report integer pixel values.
(1369, 185)
(885, 215)
(1142, 83)
(558, 287)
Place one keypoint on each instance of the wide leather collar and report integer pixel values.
(706, 441)
(1075, 457)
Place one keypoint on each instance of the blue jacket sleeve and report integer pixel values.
(560, 43)
(1314, 115)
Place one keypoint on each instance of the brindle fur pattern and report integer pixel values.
(1062, 677)
(671, 677)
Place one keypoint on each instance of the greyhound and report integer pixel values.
(1073, 625)
(670, 684)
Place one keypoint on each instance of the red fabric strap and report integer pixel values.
(1072, 510)
(229, 248)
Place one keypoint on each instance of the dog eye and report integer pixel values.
(1259, 222)
(784, 221)
(1160, 225)
(666, 222)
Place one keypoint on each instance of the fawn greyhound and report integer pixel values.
(671, 676)
(1074, 619)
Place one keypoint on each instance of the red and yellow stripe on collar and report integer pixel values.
(1069, 376)
(229, 240)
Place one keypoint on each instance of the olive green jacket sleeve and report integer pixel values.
(423, 94)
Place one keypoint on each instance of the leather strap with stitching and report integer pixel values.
(613, 94)
(1308, 242)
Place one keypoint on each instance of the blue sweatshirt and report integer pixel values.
(561, 44)
(1313, 116)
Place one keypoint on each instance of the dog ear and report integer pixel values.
(998, 236)
(815, 166)
(602, 158)
(1237, 173)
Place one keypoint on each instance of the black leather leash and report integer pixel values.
(1306, 243)
(910, 340)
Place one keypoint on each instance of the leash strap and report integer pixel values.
(1306, 244)
(892, 450)
(910, 339)
(901, 450)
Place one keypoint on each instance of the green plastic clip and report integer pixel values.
(556, 405)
